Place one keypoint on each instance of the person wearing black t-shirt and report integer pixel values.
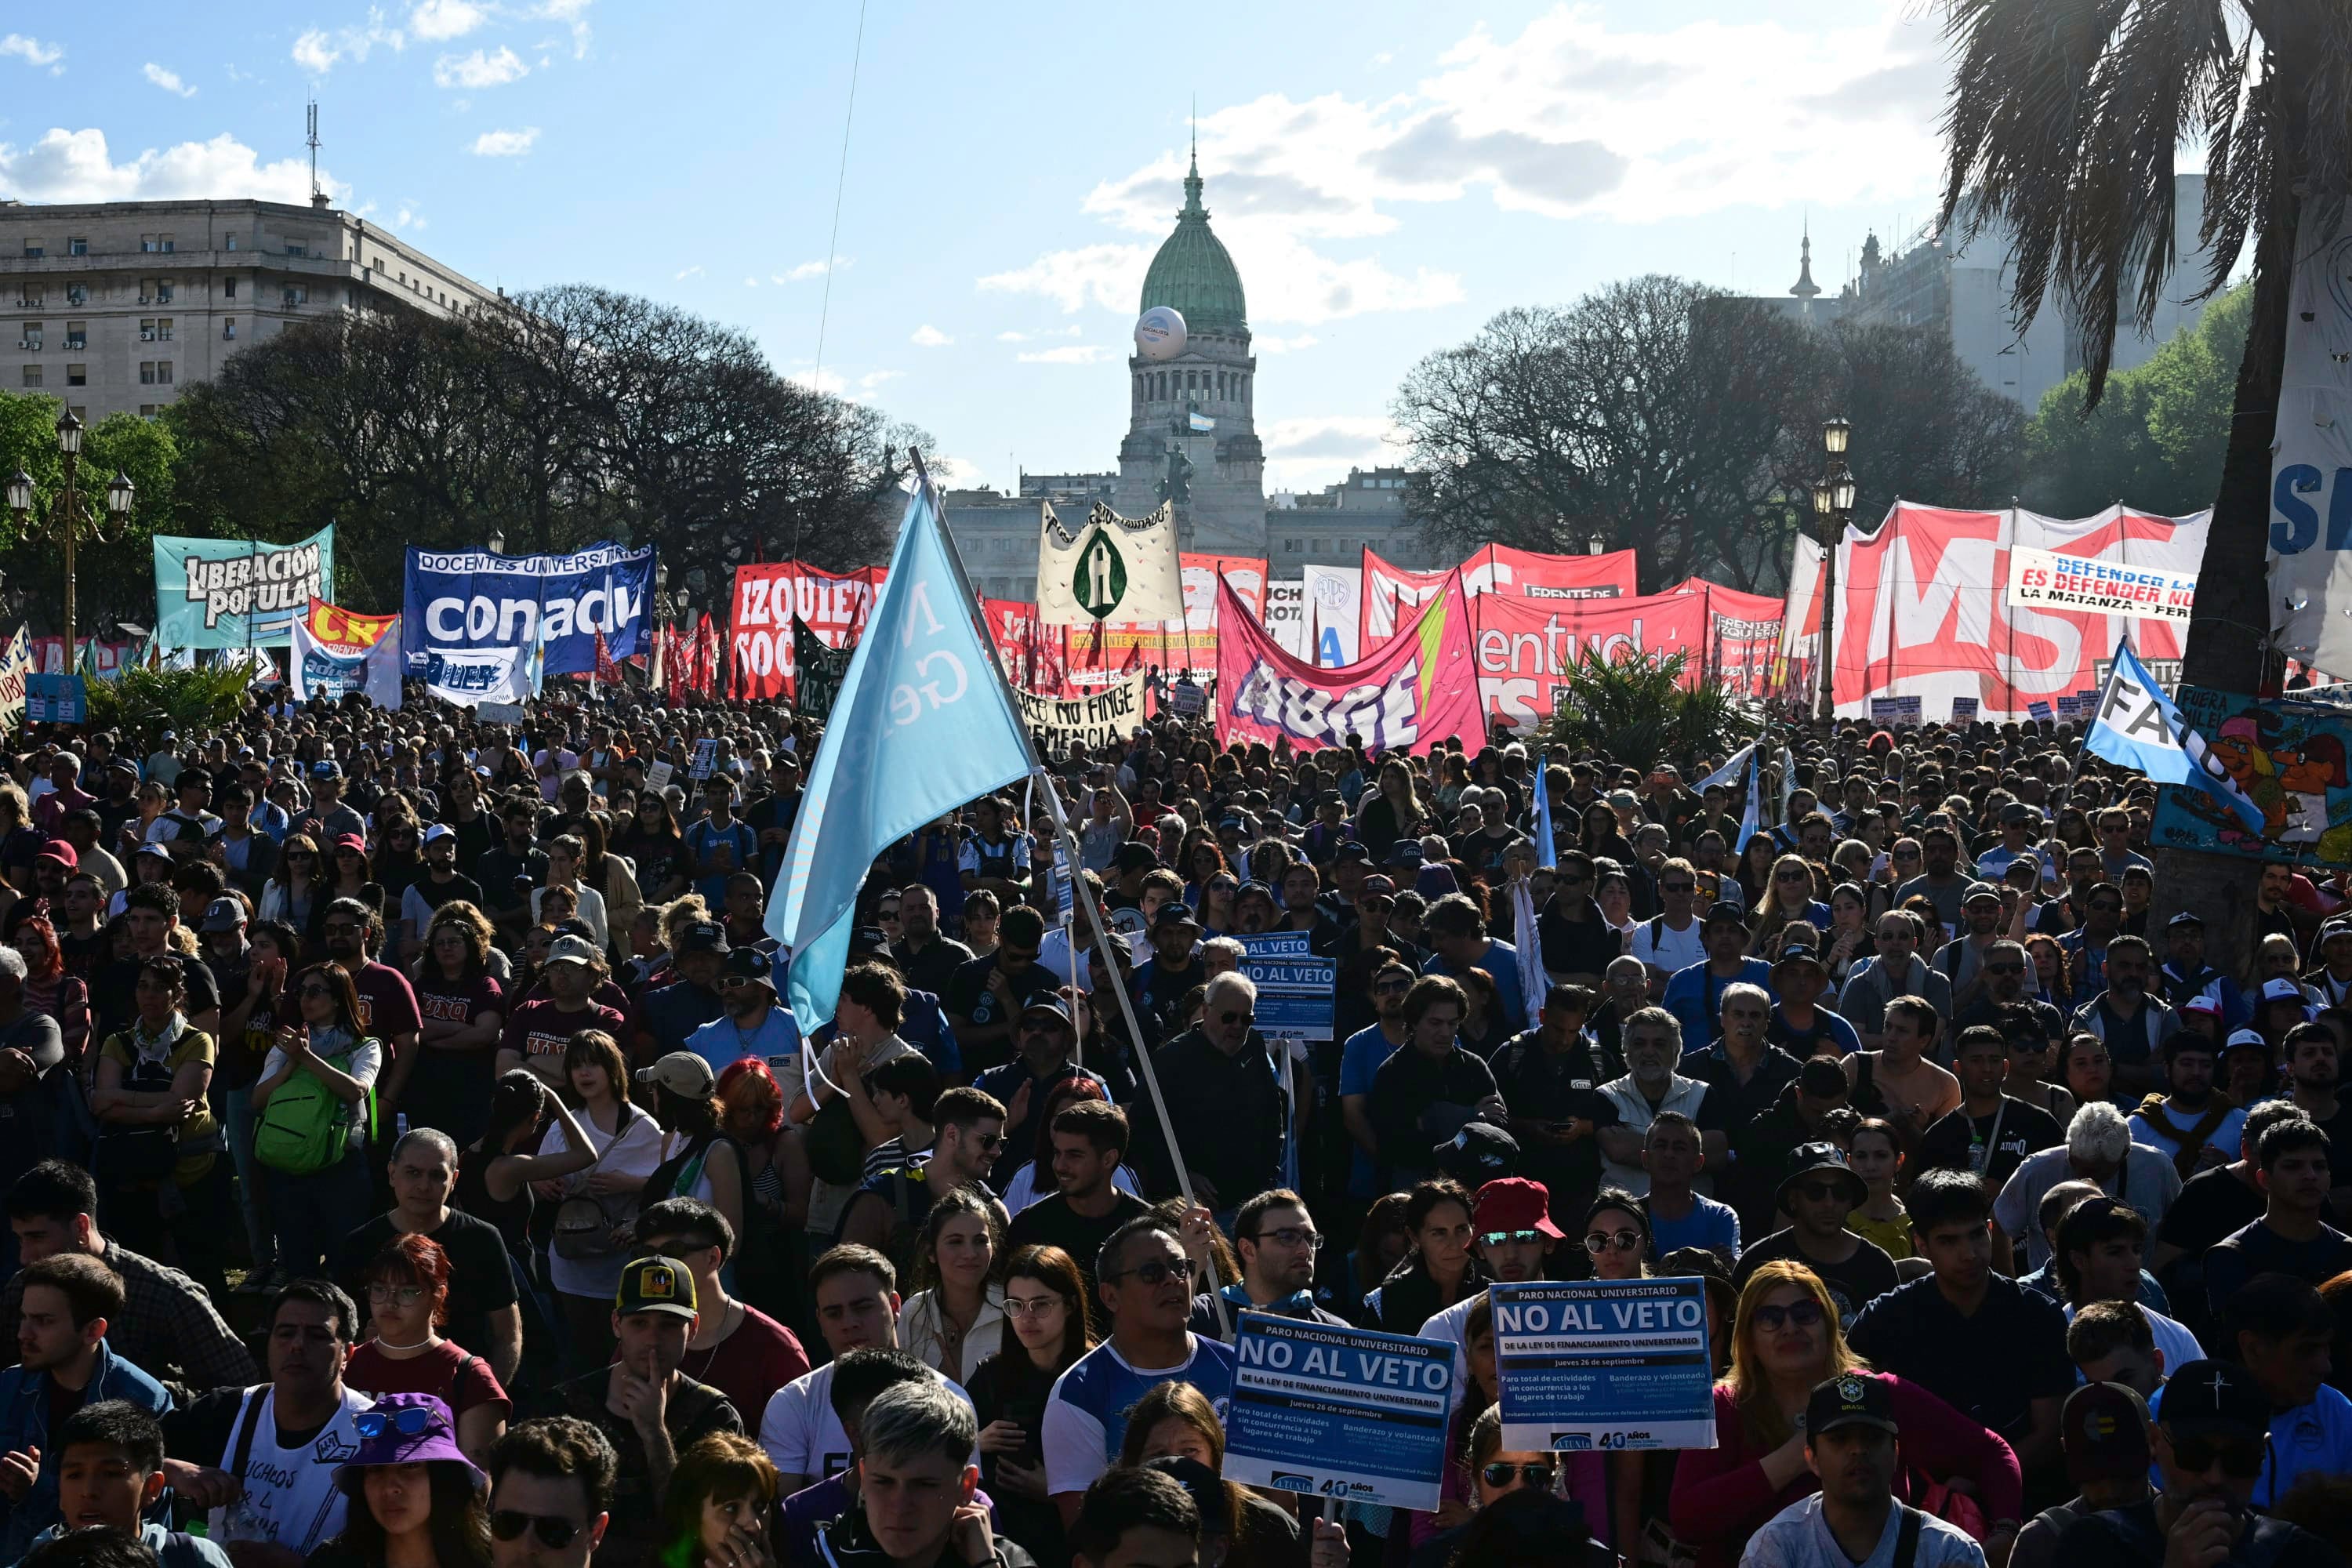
(484, 1313)
(984, 998)
(1818, 1192)
(1990, 1134)
(2291, 1167)
(1174, 970)
(1089, 1138)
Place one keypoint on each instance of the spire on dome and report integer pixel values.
(1805, 288)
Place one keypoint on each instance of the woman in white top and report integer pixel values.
(956, 1321)
(628, 1145)
(290, 895)
(565, 855)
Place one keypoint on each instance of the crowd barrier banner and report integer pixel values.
(1923, 608)
(1349, 1414)
(1093, 719)
(1523, 646)
(237, 593)
(833, 604)
(1411, 693)
(2292, 757)
(1496, 569)
(475, 600)
(1604, 1364)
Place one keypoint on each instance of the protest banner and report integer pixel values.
(657, 777)
(706, 758)
(471, 675)
(1388, 590)
(1411, 694)
(2108, 587)
(2040, 712)
(329, 670)
(1741, 647)
(1351, 1414)
(339, 627)
(1963, 708)
(1185, 701)
(475, 600)
(237, 593)
(1334, 614)
(1604, 1363)
(768, 597)
(1093, 719)
(1294, 988)
(1526, 645)
(1109, 568)
(107, 658)
(16, 668)
(2291, 756)
(2069, 705)
(818, 672)
(56, 700)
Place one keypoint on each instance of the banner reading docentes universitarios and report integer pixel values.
(475, 599)
(237, 593)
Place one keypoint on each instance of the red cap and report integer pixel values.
(351, 841)
(1513, 1203)
(59, 850)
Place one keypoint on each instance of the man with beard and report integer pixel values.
(509, 870)
(984, 998)
(1300, 891)
(1961, 960)
(63, 1363)
(1943, 884)
(2314, 1071)
(1989, 1133)
(753, 1022)
(442, 883)
(1277, 1242)
(2195, 1125)
(2134, 1024)
(1817, 1194)
(1798, 1027)
(387, 1002)
(1426, 1091)
(2186, 974)
(538, 1029)
(2006, 966)
(927, 956)
(1088, 1204)
(1850, 1437)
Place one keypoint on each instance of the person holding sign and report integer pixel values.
(1850, 1445)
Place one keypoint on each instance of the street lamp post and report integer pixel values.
(1833, 505)
(66, 510)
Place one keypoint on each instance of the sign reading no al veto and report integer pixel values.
(1351, 1414)
(1604, 1363)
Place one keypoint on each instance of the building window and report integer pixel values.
(163, 329)
(228, 327)
(163, 292)
(77, 375)
(146, 411)
(77, 245)
(228, 289)
(296, 294)
(32, 375)
(162, 372)
(77, 293)
(296, 247)
(163, 243)
(33, 251)
(147, 329)
(77, 335)
(147, 244)
(1291, 546)
(31, 339)
(146, 372)
(146, 290)
(232, 242)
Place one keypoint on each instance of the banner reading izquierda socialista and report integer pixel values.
(473, 599)
(237, 593)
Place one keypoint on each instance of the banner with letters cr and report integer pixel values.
(768, 594)
(237, 593)
(477, 600)
(1099, 718)
(1410, 694)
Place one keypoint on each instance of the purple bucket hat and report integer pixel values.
(407, 1430)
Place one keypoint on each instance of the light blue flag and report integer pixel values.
(1547, 852)
(1725, 774)
(1748, 817)
(923, 723)
(2138, 727)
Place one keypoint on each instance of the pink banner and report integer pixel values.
(1743, 636)
(833, 603)
(49, 656)
(1388, 590)
(1410, 694)
(1524, 646)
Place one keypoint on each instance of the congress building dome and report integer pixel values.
(1193, 274)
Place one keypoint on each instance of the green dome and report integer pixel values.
(1193, 275)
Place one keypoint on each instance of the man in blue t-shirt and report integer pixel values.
(1145, 1280)
(1458, 931)
(752, 1025)
(720, 845)
(1693, 995)
(1360, 1057)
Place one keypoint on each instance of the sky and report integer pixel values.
(1388, 176)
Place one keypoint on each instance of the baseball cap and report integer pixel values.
(223, 914)
(59, 850)
(2204, 1002)
(1479, 1154)
(1849, 1399)
(156, 850)
(1513, 1203)
(749, 964)
(2185, 918)
(1377, 887)
(1175, 912)
(2246, 1038)
(1724, 911)
(1135, 856)
(2104, 1429)
(326, 768)
(1405, 852)
(2282, 989)
(1050, 1004)
(1979, 890)
(438, 831)
(683, 1074)
(351, 841)
(570, 950)
(2213, 1396)
(1351, 850)
(656, 1284)
(2018, 811)
(702, 936)
(1624, 800)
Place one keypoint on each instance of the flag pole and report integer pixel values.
(1069, 843)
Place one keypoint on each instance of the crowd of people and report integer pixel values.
(410, 1163)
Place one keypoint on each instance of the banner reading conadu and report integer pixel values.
(1410, 694)
(1923, 608)
(237, 593)
(1092, 720)
(1523, 646)
(1389, 590)
(477, 600)
(833, 604)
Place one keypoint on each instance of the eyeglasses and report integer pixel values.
(2240, 1457)
(1030, 1305)
(1796, 1315)
(1501, 1474)
(885, 916)
(409, 1420)
(1231, 1017)
(340, 928)
(1510, 1237)
(1675, 887)
(554, 1533)
(1158, 1271)
(1291, 1236)
(316, 988)
(1601, 1241)
(1793, 876)
(396, 1295)
(301, 854)
(2004, 968)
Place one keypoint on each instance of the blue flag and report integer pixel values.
(2137, 727)
(922, 723)
(1547, 852)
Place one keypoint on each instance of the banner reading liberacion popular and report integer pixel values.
(1410, 694)
(237, 593)
(1092, 720)
(475, 599)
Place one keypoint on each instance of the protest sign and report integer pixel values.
(235, 593)
(1294, 988)
(16, 668)
(500, 712)
(1099, 719)
(1185, 701)
(1409, 694)
(471, 675)
(658, 775)
(56, 700)
(2069, 706)
(819, 671)
(706, 758)
(2104, 587)
(1964, 707)
(1525, 645)
(1604, 1363)
(475, 600)
(1341, 1412)
(2039, 712)
(769, 597)
(2291, 756)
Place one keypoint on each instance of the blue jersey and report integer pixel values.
(1085, 1418)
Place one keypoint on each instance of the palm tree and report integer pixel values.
(2066, 121)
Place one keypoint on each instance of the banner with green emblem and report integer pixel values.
(1116, 568)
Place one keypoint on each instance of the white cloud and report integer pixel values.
(34, 52)
(408, 218)
(954, 473)
(479, 69)
(817, 268)
(1011, 337)
(75, 166)
(1068, 353)
(930, 337)
(505, 144)
(438, 21)
(1109, 276)
(573, 13)
(694, 271)
(317, 50)
(750, 282)
(874, 378)
(1310, 452)
(825, 381)
(168, 80)
(1269, 343)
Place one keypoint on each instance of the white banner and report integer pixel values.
(16, 668)
(2102, 587)
(1113, 569)
(470, 676)
(1098, 719)
(2311, 458)
(1286, 614)
(1334, 614)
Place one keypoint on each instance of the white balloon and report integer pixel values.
(1159, 333)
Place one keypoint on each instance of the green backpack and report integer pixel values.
(305, 1127)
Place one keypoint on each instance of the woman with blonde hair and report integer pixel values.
(1785, 1341)
(1788, 896)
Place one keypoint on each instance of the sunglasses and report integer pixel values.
(1793, 876)
(2240, 1457)
(1797, 1314)
(1822, 1192)
(555, 1534)
(2004, 968)
(1906, 854)
(1601, 1241)
(1231, 1017)
(301, 854)
(1158, 1271)
(1500, 1474)
(1510, 1237)
(1380, 987)
(409, 1421)
(1673, 887)
(315, 989)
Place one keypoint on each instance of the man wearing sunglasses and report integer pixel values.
(1512, 1230)
(2212, 1446)
(887, 1213)
(2007, 973)
(1817, 1195)
(1228, 1102)
(550, 1487)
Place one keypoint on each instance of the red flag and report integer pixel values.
(674, 662)
(1134, 659)
(705, 657)
(608, 672)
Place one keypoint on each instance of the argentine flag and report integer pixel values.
(2137, 727)
(922, 723)
(1201, 423)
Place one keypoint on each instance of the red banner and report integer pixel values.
(834, 604)
(1523, 646)
(1411, 694)
(1496, 569)
(1030, 652)
(1743, 636)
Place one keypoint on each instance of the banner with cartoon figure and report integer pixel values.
(2292, 757)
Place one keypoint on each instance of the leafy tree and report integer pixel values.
(1638, 709)
(114, 562)
(142, 703)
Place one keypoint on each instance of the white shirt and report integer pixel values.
(802, 1435)
(291, 1497)
(1799, 1537)
(1024, 1190)
(2173, 1339)
(635, 1153)
(1672, 949)
(1633, 1107)
(921, 1332)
